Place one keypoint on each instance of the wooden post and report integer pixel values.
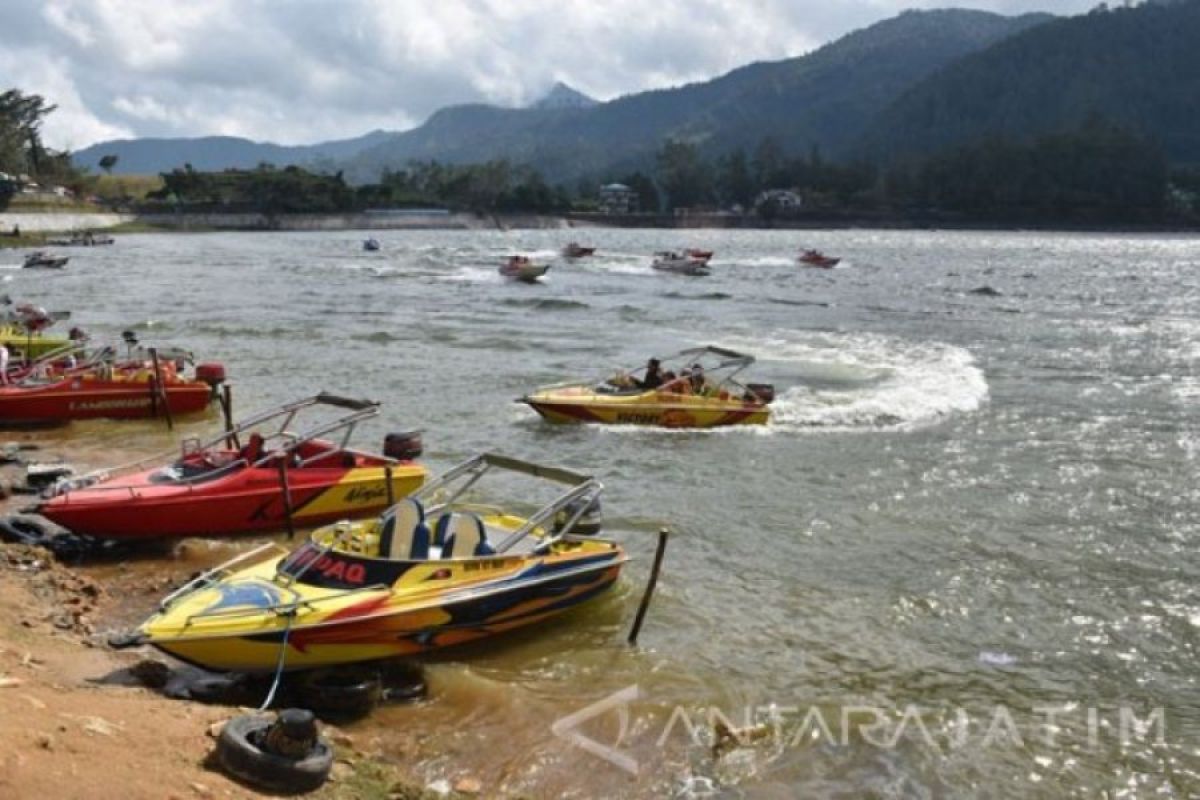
(391, 493)
(226, 398)
(287, 497)
(663, 535)
(161, 389)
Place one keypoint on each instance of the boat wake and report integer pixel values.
(865, 381)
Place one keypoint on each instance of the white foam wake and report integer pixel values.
(865, 381)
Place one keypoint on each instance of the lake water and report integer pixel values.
(971, 512)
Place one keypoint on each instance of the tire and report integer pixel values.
(224, 690)
(238, 754)
(403, 681)
(32, 529)
(342, 692)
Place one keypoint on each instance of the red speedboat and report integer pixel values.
(235, 482)
(815, 258)
(700, 255)
(130, 390)
(576, 250)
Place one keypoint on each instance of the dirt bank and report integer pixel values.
(75, 724)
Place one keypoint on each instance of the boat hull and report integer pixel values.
(657, 409)
(249, 501)
(372, 624)
(79, 398)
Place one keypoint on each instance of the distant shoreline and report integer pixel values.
(35, 223)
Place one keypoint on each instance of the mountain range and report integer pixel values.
(907, 85)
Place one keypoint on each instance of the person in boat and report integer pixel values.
(697, 379)
(653, 377)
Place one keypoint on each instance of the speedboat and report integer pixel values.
(235, 482)
(371, 245)
(95, 390)
(670, 261)
(696, 388)
(42, 260)
(435, 570)
(815, 258)
(22, 329)
(576, 250)
(703, 255)
(520, 268)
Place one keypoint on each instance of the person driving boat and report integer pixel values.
(653, 377)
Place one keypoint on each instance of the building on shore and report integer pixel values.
(617, 198)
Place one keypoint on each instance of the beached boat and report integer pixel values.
(695, 388)
(23, 326)
(520, 268)
(670, 261)
(433, 571)
(576, 250)
(129, 390)
(234, 483)
(815, 258)
(42, 260)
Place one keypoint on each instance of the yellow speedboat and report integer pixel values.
(433, 571)
(694, 388)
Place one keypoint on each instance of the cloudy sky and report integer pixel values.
(300, 71)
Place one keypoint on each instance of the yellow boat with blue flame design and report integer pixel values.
(433, 571)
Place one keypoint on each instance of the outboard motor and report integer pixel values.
(404, 446)
(589, 523)
(211, 373)
(763, 392)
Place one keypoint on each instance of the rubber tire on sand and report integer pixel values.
(31, 529)
(241, 757)
(340, 691)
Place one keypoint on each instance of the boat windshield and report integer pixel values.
(315, 565)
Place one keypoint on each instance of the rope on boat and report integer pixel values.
(287, 629)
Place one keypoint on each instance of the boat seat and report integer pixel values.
(404, 536)
(462, 535)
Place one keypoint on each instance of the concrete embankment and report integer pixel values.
(40, 222)
(35, 221)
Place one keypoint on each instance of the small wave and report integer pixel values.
(785, 302)
(703, 296)
(380, 337)
(544, 304)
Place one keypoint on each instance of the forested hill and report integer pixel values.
(1136, 67)
(824, 99)
(148, 156)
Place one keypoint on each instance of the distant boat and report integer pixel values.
(41, 260)
(576, 250)
(815, 258)
(520, 268)
(669, 261)
(371, 245)
(703, 255)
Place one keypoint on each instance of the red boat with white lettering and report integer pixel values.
(126, 390)
(258, 475)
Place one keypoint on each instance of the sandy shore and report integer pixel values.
(78, 724)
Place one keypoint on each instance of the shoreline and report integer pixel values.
(37, 226)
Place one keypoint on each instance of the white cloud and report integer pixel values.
(295, 71)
